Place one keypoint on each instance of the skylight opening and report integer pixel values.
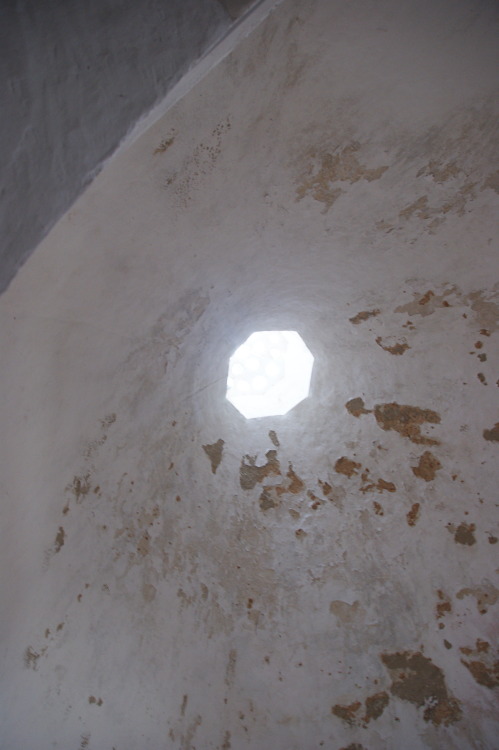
(269, 374)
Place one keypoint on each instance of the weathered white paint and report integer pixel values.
(339, 161)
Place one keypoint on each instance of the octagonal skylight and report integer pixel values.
(269, 374)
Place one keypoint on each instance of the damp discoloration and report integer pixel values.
(214, 452)
(482, 663)
(226, 745)
(347, 466)
(398, 348)
(485, 596)
(465, 534)
(250, 474)
(413, 514)
(364, 315)
(325, 170)
(415, 678)
(492, 434)
(427, 467)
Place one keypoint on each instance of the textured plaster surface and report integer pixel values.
(75, 78)
(174, 576)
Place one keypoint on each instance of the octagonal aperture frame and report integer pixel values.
(269, 374)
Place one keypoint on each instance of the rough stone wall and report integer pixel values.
(178, 577)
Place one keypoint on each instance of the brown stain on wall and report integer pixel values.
(426, 303)
(185, 699)
(415, 678)
(427, 467)
(273, 437)
(419, 208)
(250, 474)
(31, 658)
(481, 302)
(443, 606)
(345, 612)
(492, 434)
(59, 540)
(363, 315)
(464, 534)
(398, 348)
(413, 515)
(484, 666)
(375, 705)
(402, 418)
(326, 169)
(356, 407)
(347, 466)
(164, 145)
(268, 499)
(80, 487)
(271, 494)
(380, 486)
(440, 172)
(347, 713)
(295, 485)
(492, 182)
(406, 420)
(214, 452)
(485, 596)
(230, 670)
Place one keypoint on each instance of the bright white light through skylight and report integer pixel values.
(269, 374)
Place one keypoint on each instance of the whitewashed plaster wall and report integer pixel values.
(74, 80)
(174, 576)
